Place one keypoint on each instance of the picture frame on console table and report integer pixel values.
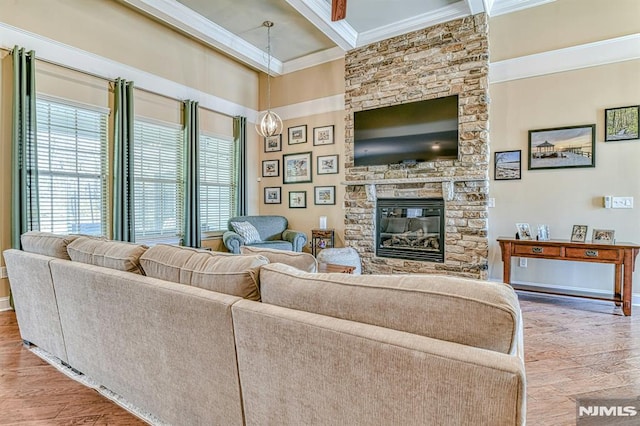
(562, 147)
(579, 233)
(603, 236)
(524, 231)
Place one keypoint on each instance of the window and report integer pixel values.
(158, 182)
(71, 164)
(217, 182)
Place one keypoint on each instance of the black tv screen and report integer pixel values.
(407, 133)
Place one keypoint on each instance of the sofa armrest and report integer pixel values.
(232, 241)
(296, 238)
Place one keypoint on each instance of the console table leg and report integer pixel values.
(627, 284)
(617, 292)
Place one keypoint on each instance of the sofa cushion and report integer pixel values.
(247, 231)
(471, 312)
(118, 255)
(303, 261)
(46, 243)
(226, 273)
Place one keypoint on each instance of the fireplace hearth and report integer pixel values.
(411, 229)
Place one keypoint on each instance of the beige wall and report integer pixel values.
(110, 30)
(311, 84)
(564, 197)
(560, 24)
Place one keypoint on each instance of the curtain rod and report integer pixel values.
(110, 80)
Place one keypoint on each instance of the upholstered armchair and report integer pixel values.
(272, 233)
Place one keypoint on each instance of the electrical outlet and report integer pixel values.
(523, 262)
(3, 272)
(491, 203)
(622, 202)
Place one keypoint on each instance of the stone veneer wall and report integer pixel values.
(446, 59)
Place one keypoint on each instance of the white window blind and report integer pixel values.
(158, 182)
(217, 182)
(71, 164)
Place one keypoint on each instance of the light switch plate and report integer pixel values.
(3, 272)
(622, 203)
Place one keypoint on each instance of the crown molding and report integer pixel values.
(197, 26)
(501, 7)
(603, 52)
(312, 60)
(477, 6)
(318, 12)
(87, 62)
(454, 11)
(312, 107)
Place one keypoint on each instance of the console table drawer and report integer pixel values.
(535, 250)
(593, 253)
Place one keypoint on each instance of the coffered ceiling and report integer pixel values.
(303, 34)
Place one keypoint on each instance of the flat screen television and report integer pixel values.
(407, 133)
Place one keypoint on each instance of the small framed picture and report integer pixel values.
(324, 195)
(543, 233)
(507, 165)
(296, 168)
(524, 231)
(272, 195)
(297, 199)
(323, 135)
(270, 168)
(298, 134)
(579, 233)
(273, 143)
(603, 236)
(562, 147)
(327, 164)
(621, 124)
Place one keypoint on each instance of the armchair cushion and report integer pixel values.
(247, 231)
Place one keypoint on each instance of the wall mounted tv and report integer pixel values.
(407, 133)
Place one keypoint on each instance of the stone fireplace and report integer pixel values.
(446, 59)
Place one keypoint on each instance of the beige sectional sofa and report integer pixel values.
(155, 326)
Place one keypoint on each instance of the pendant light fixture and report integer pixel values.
(268, 123)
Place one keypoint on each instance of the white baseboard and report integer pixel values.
(635, 297)
(4, 304)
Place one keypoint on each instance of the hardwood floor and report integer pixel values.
(34, 393)
(573, 348)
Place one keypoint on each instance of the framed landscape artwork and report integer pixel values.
(298, 134)
(621, 123)
(273, 143)
(324, 195)
(297, 199)
(296, 168)
(507, 165)
(272, 195)
(562, 147)
(323, 135)
(327, 164)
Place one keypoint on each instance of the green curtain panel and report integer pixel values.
(123, 224)
(192, 236)
(24, 177)
(240, 144)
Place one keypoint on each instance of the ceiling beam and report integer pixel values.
(197, 26)
(338, 10)
(318, 12)
(477, 6)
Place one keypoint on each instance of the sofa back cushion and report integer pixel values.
(303, 261)
(226, 273)
(46, 243)
(118, 255)
(269, 227)
(471, 312)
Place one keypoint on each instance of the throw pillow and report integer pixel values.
(247, 231)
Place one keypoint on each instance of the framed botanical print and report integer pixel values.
(273, 143)
(324, 195)
(323, 135)
(272, 195)
(297, 199)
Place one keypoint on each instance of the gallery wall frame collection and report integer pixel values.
(272, 195)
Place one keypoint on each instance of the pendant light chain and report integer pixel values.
(269, 123)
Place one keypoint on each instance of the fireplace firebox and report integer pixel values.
(411, 229)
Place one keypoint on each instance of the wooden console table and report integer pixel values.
(622, 255)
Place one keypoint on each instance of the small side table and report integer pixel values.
(321, 239)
